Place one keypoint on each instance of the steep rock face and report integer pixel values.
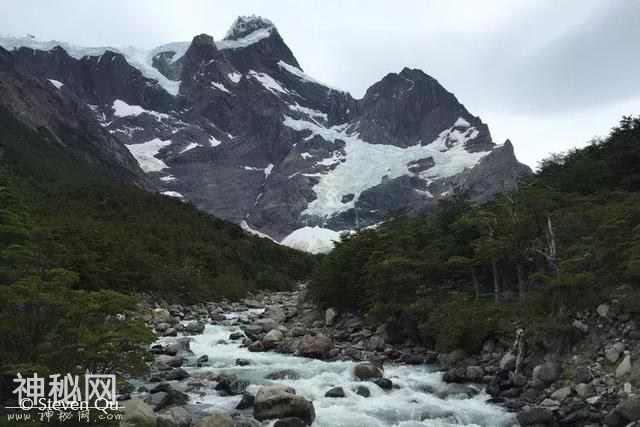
(50, 110)
(236, 127)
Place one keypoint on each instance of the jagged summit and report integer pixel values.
(245, 25)
(236, 127)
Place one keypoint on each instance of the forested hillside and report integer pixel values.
(561, 242)
(74, 243)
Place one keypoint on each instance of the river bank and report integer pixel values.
(231, 351)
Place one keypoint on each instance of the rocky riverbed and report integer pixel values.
(278, 360)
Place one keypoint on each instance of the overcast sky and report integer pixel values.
(548, 74)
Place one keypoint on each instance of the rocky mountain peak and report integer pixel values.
(245, 25)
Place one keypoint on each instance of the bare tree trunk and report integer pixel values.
(496, 279)
(522, 284)
(476, 285)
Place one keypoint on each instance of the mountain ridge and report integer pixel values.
(247, 135)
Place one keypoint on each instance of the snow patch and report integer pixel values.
(312, 239)
(248, 40)
(56, 83)
(122, 109)
(461, 123)
(306, 155)
(168, 178)
(268, 82)
(301, 75)
(191, 146)
(309, 112)
(137, 58)
(247, 227)
(234, 77)
(173, 194)
(213, 141)
(220, 86)
(365, 165)
(146, 152)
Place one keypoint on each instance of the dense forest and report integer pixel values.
(566, 239)
(75, 245)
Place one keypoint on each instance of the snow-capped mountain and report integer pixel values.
(236, 127)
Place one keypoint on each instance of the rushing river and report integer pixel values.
(415, 402)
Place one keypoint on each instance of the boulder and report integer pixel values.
(612, 355)
(246, 401)
(584, 390)
(508, 362)
(280, 401)
(375, 343)
(383, 383)
(236, 336)
(216, 420)
(290, 422)
(175, 416)
(363, 391)
(285, 374)
(330, 316)
(253, 331)
(561, 393)
(390, 332)
(276, 312)
(547, 372)
(624, 367)
(271, 339)
(335, 392)
(625, 413)
(318, 346)
(603, 310)
(177, 375)
(366, 371)
(474, 373)
(158, 400)
(231, 384)
(194, 327)
(138, 414)
(242, 362)
(581, 326)
(535, 416)
(256, 346)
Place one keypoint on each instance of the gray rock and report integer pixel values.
(624, 367)
(318, 346)
(508, 362)
(216, 420)
(612, 355)
(285, 374)
(246, 401)
(603, 310)
(272, 339)
(547, 372)
(581, 326)
(584, 390)
(290, 422)
(175, 416)
(330, 316)
(194, 327)
(363, 391)
(335, 392)
(242, 362)
(138, 414)
(280, 401)
(561, 393)
(383, 383)
(256, 346)
(366, 371)
(276, 312)
(535, 416)
(474, 373)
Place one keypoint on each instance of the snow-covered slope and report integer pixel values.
(239, 129)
